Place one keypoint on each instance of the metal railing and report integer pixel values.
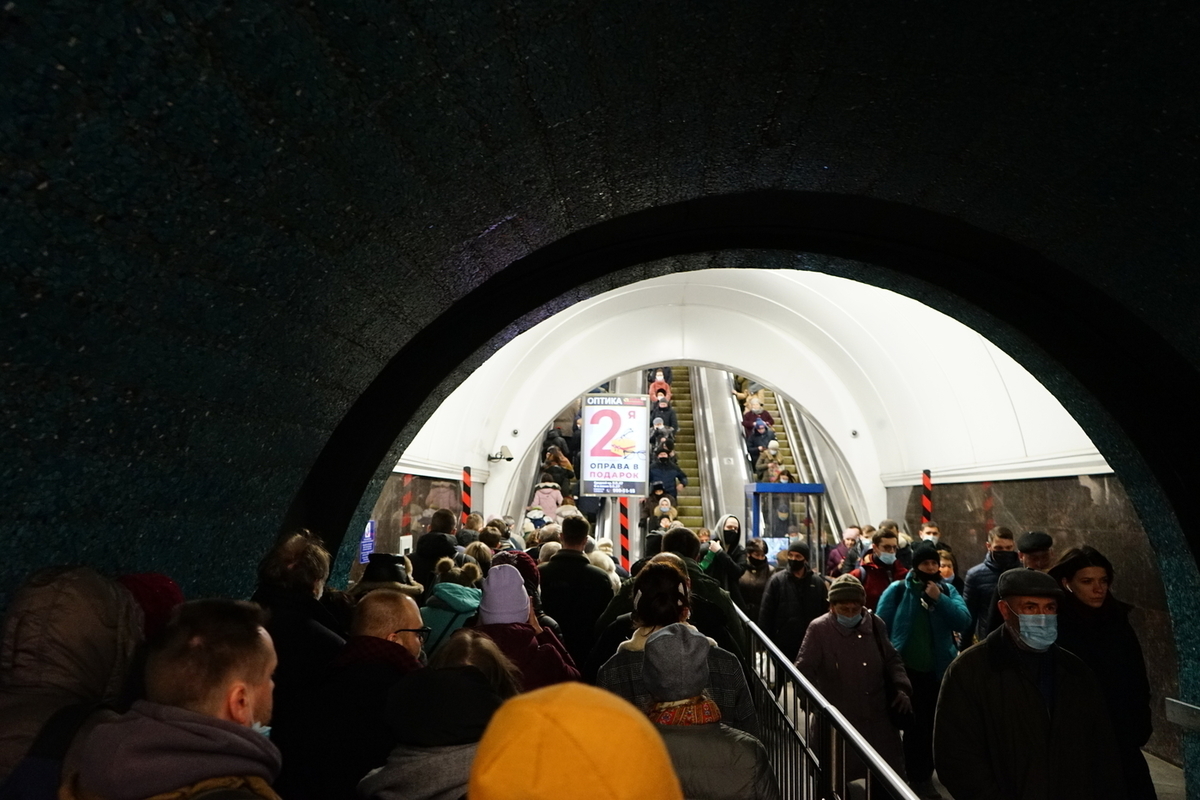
(816, 752)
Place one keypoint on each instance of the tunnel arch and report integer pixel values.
(1029, 306)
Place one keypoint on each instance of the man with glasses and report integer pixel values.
(350, 734)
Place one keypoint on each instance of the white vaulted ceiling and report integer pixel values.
(921, 390)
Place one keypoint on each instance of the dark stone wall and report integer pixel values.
(220, 222)
(1092, 510)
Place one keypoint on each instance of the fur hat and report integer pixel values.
(387, 571)
(847, 587)
(505, 600)
(676, 664)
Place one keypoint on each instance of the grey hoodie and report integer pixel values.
(156, 748)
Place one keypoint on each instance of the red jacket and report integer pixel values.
(878, 577)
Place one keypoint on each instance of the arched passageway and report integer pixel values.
(1021, 301)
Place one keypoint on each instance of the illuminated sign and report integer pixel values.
(616, 432)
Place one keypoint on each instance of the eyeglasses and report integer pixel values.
(422, 633)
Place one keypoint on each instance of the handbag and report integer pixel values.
(900, 720)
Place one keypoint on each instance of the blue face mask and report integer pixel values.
(1038, 631)
(886, 558)
(265, 730)
(849, 622)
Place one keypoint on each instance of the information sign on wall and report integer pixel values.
(616, 432)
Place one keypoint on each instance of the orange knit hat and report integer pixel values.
(562, 723)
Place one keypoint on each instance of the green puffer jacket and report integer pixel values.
(446, 610)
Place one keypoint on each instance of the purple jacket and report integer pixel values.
(846, 667)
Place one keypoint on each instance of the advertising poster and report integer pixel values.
(616, 433)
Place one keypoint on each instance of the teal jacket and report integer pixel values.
(901, 600)
(446, 610)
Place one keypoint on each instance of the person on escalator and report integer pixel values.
(758, 441)
(755, 412)
(660, 385)
(661, 435)
(664, 471)
(768, 467)
(662, 408)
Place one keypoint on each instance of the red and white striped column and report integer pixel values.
(624, 519)
(926, 496)
(466, 495)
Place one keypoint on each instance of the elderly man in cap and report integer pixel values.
(1020, 717)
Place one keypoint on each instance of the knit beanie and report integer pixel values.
(802, 548)
(558, 719)
(157, 595)
(925, 551)
(676, 664)
(505, 600)
(847, 587)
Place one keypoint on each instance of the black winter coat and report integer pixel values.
(307, 639)
(788, 605)
(995, 738)
(575, 593)
(1105, 641)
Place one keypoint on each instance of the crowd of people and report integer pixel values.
(396, 688)
(455, 670)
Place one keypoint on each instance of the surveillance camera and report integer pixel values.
(516, 432)
(505, 453)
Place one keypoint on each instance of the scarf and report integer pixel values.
(692, 711)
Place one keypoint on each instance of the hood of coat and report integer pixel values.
(548, 485)
(458, 598)
(541, 721)
(720, 533)
(637, 642)
(155, 749)
(70, 632)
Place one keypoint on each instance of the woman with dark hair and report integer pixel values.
(1095, 626)
(661, 597)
